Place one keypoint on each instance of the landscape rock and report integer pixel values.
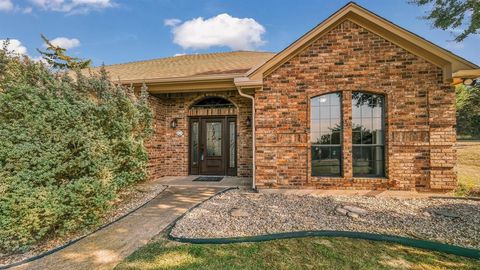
(341, 211)
(238, 212)
(277, 213)
(353, 215)
(355, 209)
(446, 213)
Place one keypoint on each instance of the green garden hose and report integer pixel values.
(418, 243)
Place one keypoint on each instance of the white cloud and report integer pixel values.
(73, 6)
(171, 22)
(14, 46)
(221, 30)
(26, 10)
(40, 59)
(65, 43)
(178, 54)
(6, 5)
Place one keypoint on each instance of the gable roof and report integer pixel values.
(187, 67)
(417, 45)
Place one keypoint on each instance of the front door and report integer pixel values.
(213, 145)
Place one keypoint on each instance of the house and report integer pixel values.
(355, 103)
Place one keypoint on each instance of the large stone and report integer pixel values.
(446, 213)
(341, 211)
(353, 215)
(238, 212)
(355, 209)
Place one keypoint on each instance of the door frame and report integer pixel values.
(226, 120)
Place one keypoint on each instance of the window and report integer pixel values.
(214, 139)
(232, 142)
(194, 137)
(368, 135)
(326, 135)
(213, 102)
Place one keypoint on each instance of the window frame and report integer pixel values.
(330, 145)
(383, 145)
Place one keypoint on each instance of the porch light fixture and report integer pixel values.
(469, 82)
(173, 123)
(249, 121)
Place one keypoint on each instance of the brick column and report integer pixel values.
(347, 135)
(442, 138)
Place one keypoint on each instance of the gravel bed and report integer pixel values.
(237, 213)
(128, 200)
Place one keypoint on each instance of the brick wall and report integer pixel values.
(168, 153)
(420, 113)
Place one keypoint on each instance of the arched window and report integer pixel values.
(368, 120)
(213, 102)
(212, 106)
(326, 134)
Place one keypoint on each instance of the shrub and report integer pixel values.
(468, 111)
(67, 146)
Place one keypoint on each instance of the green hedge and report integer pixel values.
(468, 111)
(67, 146)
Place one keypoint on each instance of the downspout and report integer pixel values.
(254, 156)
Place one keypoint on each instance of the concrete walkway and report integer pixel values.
(109, 246)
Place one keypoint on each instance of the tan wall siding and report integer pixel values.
(420, 113)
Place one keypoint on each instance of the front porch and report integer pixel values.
(227, 181)
(201, 133)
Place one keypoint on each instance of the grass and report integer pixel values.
(468, 167)
(301, 253)
(316, 252)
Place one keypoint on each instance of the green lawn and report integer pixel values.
(468, 166)
(302, 253)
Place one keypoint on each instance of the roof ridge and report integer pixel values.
(186, 55)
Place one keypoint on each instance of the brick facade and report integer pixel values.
(168, 153)
(419, 120)
(419, 117)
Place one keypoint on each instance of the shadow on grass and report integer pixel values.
(303, 253)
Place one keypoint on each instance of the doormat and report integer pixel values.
(209, 178)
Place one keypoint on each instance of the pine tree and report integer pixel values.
(56, 57)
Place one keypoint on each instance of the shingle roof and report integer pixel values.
(227, 63)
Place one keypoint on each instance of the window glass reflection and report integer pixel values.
(326, 134)
(368, 134)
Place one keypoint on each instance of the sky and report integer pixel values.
(116, 31)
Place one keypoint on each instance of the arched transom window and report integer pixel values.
(213, 102)
(212, 106)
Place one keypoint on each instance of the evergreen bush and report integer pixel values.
(68, 144)
(468, 111)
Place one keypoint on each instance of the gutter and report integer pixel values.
(245, 82)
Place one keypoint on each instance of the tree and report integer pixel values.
(56, 57)
(468, 110)
(454, 14)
